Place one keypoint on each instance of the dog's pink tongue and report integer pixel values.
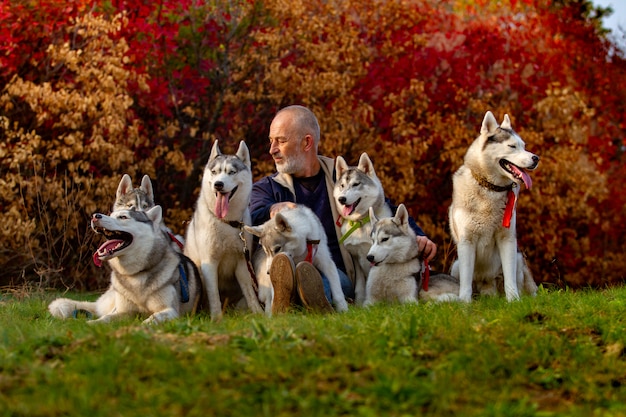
(347, 210)
(221, 205)
(96, 259)
(525, 177)
(107, 247)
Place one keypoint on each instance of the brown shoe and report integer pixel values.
(281, 275)
(311, 288)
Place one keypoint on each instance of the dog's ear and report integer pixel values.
(244, 154)
(125, 185)
(402, 216)
(340, 166)
(155, 214)
(489, 124)
(254, 230)
(373, 218)
(282, 225)
(506, 123)
(215, 151)
(366, 166)
(146, 186)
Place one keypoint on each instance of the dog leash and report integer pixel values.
(354, 225)
(175, 240)
(425, 275)
(246, 252)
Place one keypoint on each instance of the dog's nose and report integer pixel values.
(370, 258)
(97, 216)
(535, 159)
(342, 200)
(218, 185)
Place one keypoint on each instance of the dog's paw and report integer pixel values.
(62, 308)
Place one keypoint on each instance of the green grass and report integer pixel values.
(560, 353)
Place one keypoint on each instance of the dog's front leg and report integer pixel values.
(245, 282)
(508, 255)
(466, 253)
(210, 280)
(360, 278)
(162, 316)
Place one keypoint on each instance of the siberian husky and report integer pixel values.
(215, 238)
(147, 277)
(397, 271)
(482, 213)
(142, 199)
(127, 197)
(356, 190)
(298, 233)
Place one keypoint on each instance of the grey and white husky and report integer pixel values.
(215, 238)
(141, 199)
(356, 190)
(397, 271)
(482, 213)
(147, 275)
(298, 233)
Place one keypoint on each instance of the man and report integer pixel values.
(304, 177)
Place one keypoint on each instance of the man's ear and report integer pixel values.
(308, 142)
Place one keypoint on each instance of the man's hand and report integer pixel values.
(427, 248)
(280, 206)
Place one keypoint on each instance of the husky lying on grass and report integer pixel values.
(397, 271)
(147, 275)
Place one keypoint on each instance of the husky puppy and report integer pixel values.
(147, 275)
(298, 233)
(141, 199)
(215, 239)
(397, 271)
(482, 213)
(356, 190)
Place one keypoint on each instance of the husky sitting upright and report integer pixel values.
(141, 199)
(397, 271)
(356, 190)
(148, 276)
(298, 233)
(482, 213)
(215, 239)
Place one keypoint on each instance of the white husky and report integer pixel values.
(298, 233)
(142, 199)
(215, 239)
(482, 213)
(356, 190)
(397, 272)
(148, 276)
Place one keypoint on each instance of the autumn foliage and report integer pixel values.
(92, 90)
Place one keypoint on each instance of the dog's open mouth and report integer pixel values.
(348, 209)
(116, 241)
(221, 202)
(517, 172)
